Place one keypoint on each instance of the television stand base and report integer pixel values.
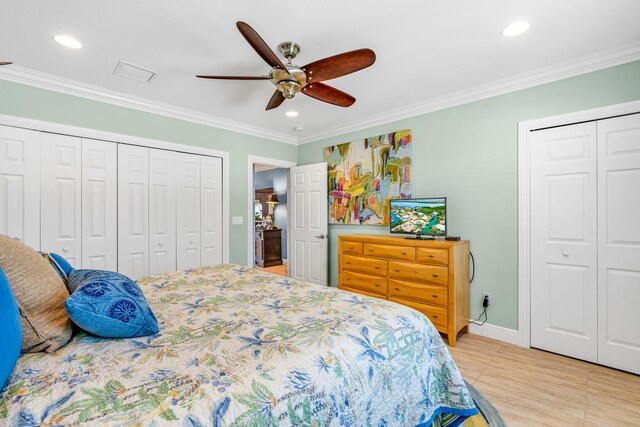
(421, 237)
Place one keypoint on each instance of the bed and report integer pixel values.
(241, 347)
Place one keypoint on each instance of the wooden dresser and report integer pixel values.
(268, 247)
(431, 276)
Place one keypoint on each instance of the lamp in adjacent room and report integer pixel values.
(271, 202)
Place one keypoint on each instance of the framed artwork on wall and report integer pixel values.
(363, 175)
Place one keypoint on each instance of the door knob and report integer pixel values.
(322, 236)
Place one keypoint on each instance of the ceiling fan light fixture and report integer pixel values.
(289, 88)
(515, 29)
(68, 41)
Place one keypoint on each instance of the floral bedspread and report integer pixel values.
(240, 347)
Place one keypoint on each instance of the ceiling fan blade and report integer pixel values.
(236, 77)
(5, 63)
(326, 93)
(259, 45)
(275, 100)
(339, 65)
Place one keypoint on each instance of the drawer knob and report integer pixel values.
(65, 249)
(351, 247)
(397, 270)
(349, 262)
(397, 289)
(435, 275)
(348, 278)
(435, 295)
(370, 250)
(377, 285)
(430, 256)
(404, 253)
(435, 316)
(377, 267)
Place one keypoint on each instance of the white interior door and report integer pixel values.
(211, 210)
(308, 224)
(619, 242)
(564, 241)
(188, 211)
(99, 205)
(133, 210)
(60, 197)
(20, 185)
(162, 211)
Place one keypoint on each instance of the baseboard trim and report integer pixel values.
(495, 332)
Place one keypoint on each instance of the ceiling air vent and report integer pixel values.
(130, 71)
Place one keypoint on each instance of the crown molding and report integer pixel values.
(570, 68)
(41, 80)
(573, 67)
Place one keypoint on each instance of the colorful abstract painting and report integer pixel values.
(365, 174)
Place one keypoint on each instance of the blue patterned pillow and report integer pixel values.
(109, 304)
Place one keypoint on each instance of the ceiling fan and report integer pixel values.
(290, 79)
(5, 63)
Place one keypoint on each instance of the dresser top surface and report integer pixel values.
(401, 241)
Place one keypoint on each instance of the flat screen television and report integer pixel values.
(421, 217)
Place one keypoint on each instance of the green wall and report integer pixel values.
(39, 104)
(469, 153)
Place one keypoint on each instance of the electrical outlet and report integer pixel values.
(486, 295)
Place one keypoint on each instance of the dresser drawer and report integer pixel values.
(352, 248)
(366, 265)
(361, 292)
(390, 251)
(366, 282)
(433, 256)
(430, 294)
(431, 273)
(437, 315)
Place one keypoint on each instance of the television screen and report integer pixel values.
(419, 216)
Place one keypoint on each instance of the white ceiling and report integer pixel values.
(425, 49)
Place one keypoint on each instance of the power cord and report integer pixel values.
(473, 263)
(485, 304)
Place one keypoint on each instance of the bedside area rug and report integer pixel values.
(488, 416)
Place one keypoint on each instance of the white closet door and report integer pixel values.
(60, 196)
(211, 210)
(619, 243)
(188, 212)
(133, 210)
(20, 185)
(99, 205)
(564, 241)
(162, 211)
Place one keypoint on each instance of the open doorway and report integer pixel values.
(268, 224)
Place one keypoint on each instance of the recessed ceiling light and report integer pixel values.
(68, 41)
(292, 114)
(516, 29)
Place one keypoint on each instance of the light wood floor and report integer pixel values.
(280, 270)
(534, 388)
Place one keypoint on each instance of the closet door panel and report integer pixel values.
(61, 195)
(188, 211)
(619, 242)
(133, 210)
(162, 211)
(211, 210)
(99, 205)
(564, 241)
(20, 185)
